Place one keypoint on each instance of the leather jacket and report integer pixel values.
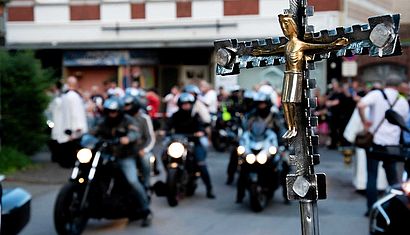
(124, 126)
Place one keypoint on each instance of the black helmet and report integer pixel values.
(261, 110)
(142, 99)
(112, 104)
(191, 88)
(185, 98)
(133, 102)
(249, 94)
(248, 100)
(262, 97)
(128, 99)
(132, 92)
(235, 89)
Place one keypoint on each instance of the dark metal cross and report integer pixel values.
(298, 50)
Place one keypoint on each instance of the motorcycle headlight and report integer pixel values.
(262, 158)
(50, 124)
(250, 158)
(273, 150)
(84, 155)
(176, 150)
(240, 150)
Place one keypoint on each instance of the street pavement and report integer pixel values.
(341, 213)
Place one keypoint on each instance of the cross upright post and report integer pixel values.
(298, 50)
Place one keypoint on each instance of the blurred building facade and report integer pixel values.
(3, 23)
(165, 42)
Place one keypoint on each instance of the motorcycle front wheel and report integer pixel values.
(68, 217)
(172, 185)
(258, 199)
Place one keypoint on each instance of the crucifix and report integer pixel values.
(298, 50)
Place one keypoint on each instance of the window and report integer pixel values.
(84, 10)
(241, 7)
(138, 10)
(184, 8)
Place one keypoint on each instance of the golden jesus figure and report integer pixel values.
(294, 51)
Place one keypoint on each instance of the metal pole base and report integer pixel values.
(310, 217)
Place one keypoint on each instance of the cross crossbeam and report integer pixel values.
(242, 52)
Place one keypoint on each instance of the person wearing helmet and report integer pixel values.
(248, 101)
(117, 124)
(262, 111)
(263, 105)
(258, 132)
(192, 89)
(198, 106)
(235, 100)
(146, 143)
(267, 88)
(265, 110)
(183, 122)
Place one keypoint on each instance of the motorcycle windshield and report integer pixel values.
(263, 142)
(179, 138)
(256, 146)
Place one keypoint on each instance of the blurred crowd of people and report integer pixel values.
(348, 109)
(336, 106)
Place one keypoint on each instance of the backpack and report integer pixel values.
(390, 113)
(364, 139)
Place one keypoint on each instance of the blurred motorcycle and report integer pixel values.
(96, 189)
(15, 209)
(261, 167)
(182, 172)
(226, 130)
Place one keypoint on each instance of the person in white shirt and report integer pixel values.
(115, 90)
(209, 97)
(55, 119)
(378, 101)
(134, 89)
(73, 123)
(171, 101)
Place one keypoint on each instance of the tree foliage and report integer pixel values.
(23, 100)
(12, 160)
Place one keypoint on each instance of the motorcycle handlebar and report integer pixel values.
(189, 136)
(109, 142)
